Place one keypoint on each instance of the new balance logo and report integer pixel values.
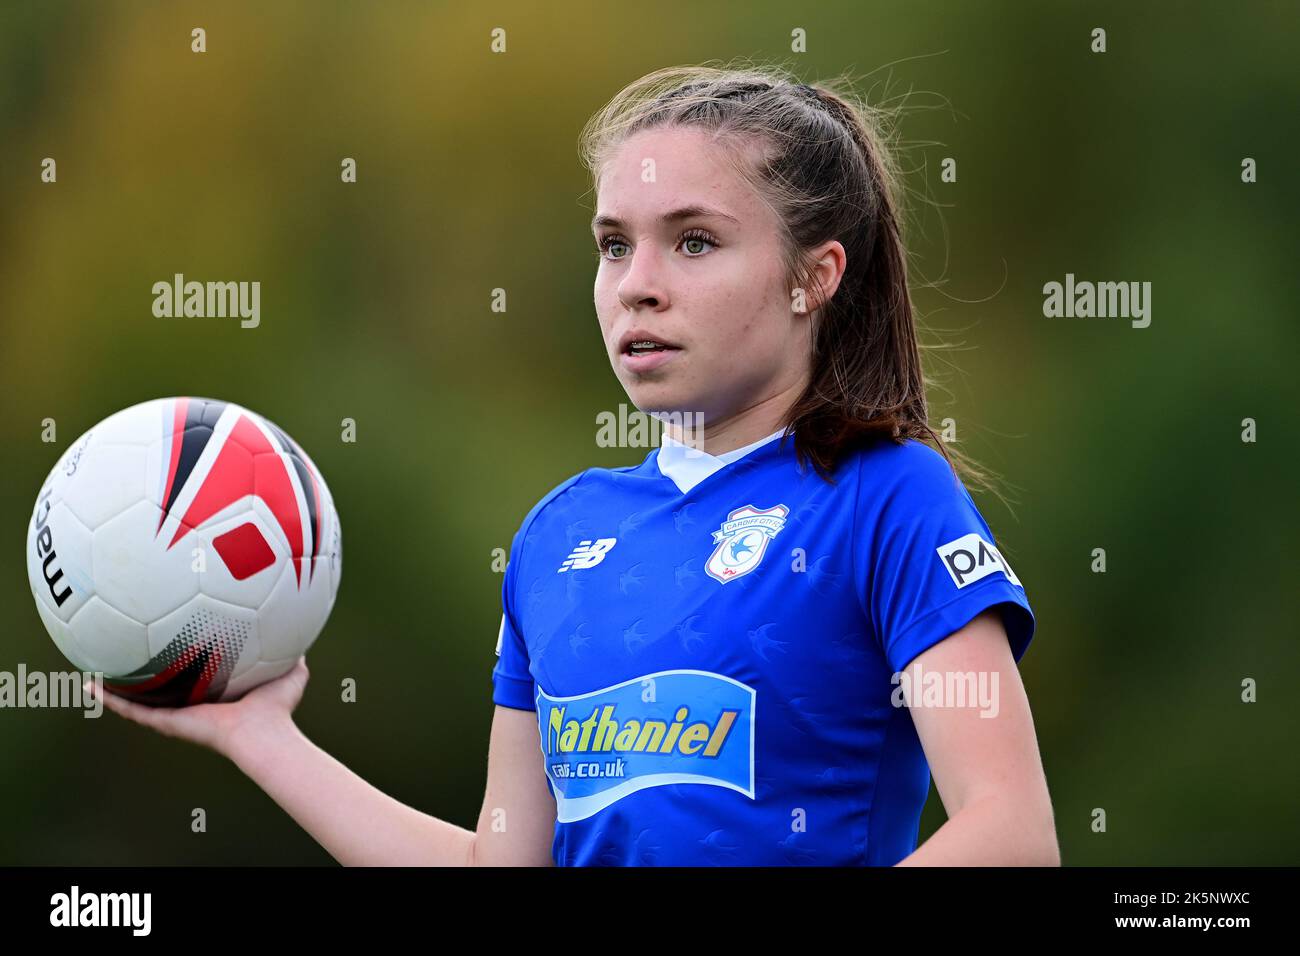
(587, 554)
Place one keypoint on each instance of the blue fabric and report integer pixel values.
(712, 669)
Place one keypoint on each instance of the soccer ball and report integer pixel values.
(186, 548)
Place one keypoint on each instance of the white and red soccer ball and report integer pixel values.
(187, 548)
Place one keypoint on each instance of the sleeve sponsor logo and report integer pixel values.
(970, 558)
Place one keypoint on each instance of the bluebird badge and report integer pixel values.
(670, 727)
(742, 541)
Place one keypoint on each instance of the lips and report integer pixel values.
(639, 362)
(637, 342)
(644, 347)
(641, 352)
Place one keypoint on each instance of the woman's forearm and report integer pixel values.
(988, 832)
(356, 823)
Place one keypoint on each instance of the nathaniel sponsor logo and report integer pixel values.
(670, 727)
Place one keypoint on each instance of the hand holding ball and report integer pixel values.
(187, 548)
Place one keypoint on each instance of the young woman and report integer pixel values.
(755, 646)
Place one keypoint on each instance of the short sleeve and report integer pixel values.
(512, 683)
(931, 564)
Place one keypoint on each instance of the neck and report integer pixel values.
(738, 430)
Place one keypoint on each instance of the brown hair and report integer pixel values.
(817, 156)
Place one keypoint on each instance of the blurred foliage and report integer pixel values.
(376, 306)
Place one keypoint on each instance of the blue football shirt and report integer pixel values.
(709, 645)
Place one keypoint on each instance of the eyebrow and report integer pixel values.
(676, 215)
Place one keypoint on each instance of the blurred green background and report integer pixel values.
(376, 306)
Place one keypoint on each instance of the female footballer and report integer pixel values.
(757, 645)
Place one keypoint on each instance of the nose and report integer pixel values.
(641, 286)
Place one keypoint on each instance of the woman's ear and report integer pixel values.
(823, 273)
(829, 262)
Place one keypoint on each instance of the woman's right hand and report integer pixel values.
(220, 726)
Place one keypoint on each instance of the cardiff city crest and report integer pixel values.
(742, 541)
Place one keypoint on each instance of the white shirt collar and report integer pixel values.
(688, 466)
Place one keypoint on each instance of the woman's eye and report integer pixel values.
(608, 243)
(691, 242)
(694, 244)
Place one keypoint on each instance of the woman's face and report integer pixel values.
(691, 258)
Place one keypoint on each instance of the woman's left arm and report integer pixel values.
(983, 754)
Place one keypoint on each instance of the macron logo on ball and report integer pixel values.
(970, 558)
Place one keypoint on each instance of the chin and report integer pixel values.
(655, 397)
